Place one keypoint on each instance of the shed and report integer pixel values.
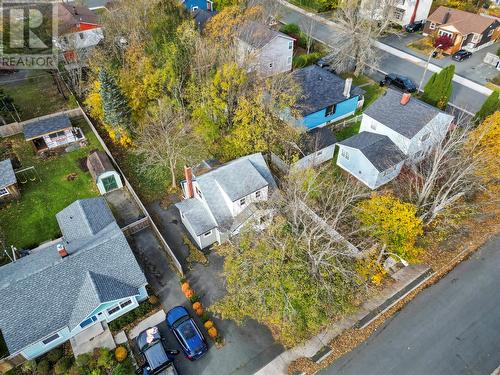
(102, 171)
(8, 181)
(317, 146)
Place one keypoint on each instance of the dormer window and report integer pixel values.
(257, 194)
(198, 192)
(242, 201)
(330, 110)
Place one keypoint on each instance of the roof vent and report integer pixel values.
(62, 250)
(405, 98)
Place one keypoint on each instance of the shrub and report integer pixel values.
(28, 367)
(121, 353)
(292, 28)
(194, 299)
(302, 61)
(105, 359)
(63, 365)
(55, 355)
(444, 41)
(154, 300)
(84, 360)
(124, 368)
(43, 367)
(130, 317)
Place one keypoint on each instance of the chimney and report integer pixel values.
(347, 87)
(405, 98)
(61, 250)
(446, 17)
(188, 173)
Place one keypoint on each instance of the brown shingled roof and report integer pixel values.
(98, 163)
(464, 22)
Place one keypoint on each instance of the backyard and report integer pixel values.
(58, 182)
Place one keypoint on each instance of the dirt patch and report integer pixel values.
(72, 176)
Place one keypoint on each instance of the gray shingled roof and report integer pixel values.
(377, 148)
(43, 293)
(201, 17)
(235, 179)
(320, 88)
(258, 35)
(407, 119)
(316, 139)
(198, 215)
(36, 129)
(7, 175)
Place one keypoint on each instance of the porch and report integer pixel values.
(97, 335)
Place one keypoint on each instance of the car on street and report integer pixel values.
(157, 360)
(461, 55)
(186, 331)
(414, 26)
(401, 82)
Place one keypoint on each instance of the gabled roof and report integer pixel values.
(98, 163)
(315, 140)
(71, 15)
(38, 128)
(320, 89)
(407, 119)
(464, 22)
(377, 148)
(42, 293)
(7, 175)
(258, 35)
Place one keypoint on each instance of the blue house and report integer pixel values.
(192, 5)
(88, 277)
(325, 97)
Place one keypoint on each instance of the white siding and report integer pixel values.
(62, 140)
(316, 158)
(437, 129)
(358, 165)
(237, 208)
(371, 125)
(273, 58)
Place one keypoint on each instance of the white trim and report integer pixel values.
(55, 336)
(4, 192)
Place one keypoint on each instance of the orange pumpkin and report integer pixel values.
(197, 305)
(185, 286)
(199, 311)
(212, 332)
(189, 293)
(208, 324)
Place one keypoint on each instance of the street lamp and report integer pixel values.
(427, 66)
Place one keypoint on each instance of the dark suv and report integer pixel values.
(461, 55)
(158, 361)
(401, 82)
(414, 26)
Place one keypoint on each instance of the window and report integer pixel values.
(490, 33)
(81, 35)
(290, 45)
(398, 14)
(345, 154)
(125, 303)
(330, 110)
(113, 310)
(476, 38)
(425, 137)
(118, 307)
(270, 65)
(319, 153)
(432, 26)
(445, 33)
(418, 154)
(207, 233)
(257, 194)
(198, 192)
(289, 60)
(242, 201)
(88, 322)
(49, 339)
(194, 8)
(57, 135)
(4, 192)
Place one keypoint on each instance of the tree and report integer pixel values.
(490, 105)
(8, 109)
(116, 110)
(360, 22)
(443, 42)
(164, 141)
(224, 25)
(438, 89)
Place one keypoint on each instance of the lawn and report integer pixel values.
(35, 94)
(348, 131)
(31, 220)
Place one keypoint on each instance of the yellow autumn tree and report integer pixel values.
(222, 26)
(394, 223)
(94, 101)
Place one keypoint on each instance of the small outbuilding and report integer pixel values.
(317, 146)
(8, 181)
(102, 171)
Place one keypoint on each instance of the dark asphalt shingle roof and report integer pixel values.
(7, 175)
(36, 129)
(258, 35)
(316, 139)
(320, 89)
(42, 293)
(377, 148)
(407, 119)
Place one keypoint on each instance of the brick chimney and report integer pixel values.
(61, 250)
(188, 174)
(347, 88)
(446, 17)
(405, 98)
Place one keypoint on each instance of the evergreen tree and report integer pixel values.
(115, 105)
(438, 89)
(8, 110)
(490, 106)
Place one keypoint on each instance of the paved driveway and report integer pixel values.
(452, 328)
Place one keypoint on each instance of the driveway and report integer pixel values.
(452, 328)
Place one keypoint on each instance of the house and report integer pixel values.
(86, 278)
(402, 12)
(263, 49)
(325, 98)
(51, 133)
(467, 30)
(394, 129)
(316, 146)
(8, 181)
(103, 173)
(193, 5)
(218, 203)
(201, 17)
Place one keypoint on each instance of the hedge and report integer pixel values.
(143, 309)
(302, 61)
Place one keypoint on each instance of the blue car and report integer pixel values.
(188, 334)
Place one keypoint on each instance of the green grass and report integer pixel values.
(348, 131)
(372, 93)
(35, 96)
(31, 220)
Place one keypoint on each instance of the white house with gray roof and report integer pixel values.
(263, 49)
(221, 201)
(87, 277)
(394, 129)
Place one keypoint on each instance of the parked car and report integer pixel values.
(157, 359)
(402, 82)
(461, 55)
(415, 26)
(186, 331)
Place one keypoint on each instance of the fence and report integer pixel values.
(152, 225)
(17, 127)
(344, 124)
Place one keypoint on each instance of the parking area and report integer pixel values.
(124, 208)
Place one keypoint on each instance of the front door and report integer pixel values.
(109, 183)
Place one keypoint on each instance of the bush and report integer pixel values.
(63, 365)
(121, 353)
(43, 367)
(28, 367)
(130, 317)
(55, 355)
(106, 359)
(292, 28)
(154, 300)
(124, 368)
(84, 360)
(302, 61)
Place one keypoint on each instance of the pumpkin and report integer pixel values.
(197, 305)
(121, 353)
(199, 311)
(208, 324)
(153, 299)
(212, 332)
(189, 293)
(185, 286)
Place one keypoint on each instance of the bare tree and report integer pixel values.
(360, 22)
(307, 27)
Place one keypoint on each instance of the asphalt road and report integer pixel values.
(451, 328)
